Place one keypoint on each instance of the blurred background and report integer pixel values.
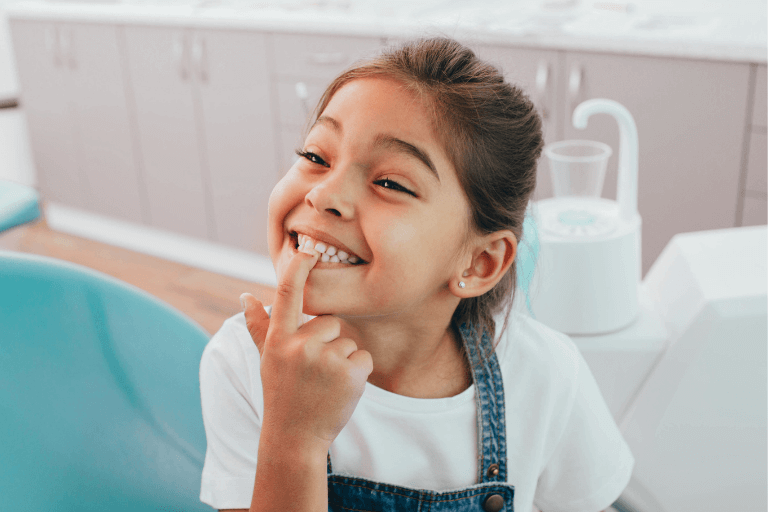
(150, 134)
(142, 123)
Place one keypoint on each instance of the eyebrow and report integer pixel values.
(335, 125)
(387, 141)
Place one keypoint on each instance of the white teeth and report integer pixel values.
(307, 247)
(328, 253)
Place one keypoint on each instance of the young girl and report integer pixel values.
(392, 372)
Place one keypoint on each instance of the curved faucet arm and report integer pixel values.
(626, 194)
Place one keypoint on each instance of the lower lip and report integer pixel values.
(327, 265)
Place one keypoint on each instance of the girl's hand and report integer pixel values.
(312, 378)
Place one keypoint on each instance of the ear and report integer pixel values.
(491, 258)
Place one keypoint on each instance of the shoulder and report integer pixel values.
(541, 372)
(542, 353)
(231, 359)
(231, 343)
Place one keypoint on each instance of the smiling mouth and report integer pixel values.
(328, 253)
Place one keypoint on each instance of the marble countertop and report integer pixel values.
(734, 31)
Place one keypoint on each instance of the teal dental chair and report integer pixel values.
(18, 205)
(99, 393)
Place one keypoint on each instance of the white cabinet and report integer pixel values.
(304, 65)
(162, 81)
(755, 196)
(690, 117)
(73, 92)
(188, 130)
(236, 114)
(537, 72)
(204, 115)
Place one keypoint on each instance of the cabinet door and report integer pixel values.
(160, 67)
(690, 118)
(304, 65)
(107, 158)
(234, 92)
(537, 72)
(39, 49)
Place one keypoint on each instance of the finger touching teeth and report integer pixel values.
(307, 247)
(328, 253)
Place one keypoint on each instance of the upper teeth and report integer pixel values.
(329, 252)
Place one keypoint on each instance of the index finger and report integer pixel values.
(289, 296)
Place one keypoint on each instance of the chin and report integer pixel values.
(316, 306)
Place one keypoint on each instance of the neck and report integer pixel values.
(412, 356)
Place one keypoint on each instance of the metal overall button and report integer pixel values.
(493, 470)
(494, 503)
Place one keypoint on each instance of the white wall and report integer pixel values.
(15, 156)
(9, 86)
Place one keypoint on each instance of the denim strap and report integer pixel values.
(489, 396)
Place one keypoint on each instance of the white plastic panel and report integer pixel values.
(698, 426)
(622, 360)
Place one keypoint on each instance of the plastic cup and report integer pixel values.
(577, 167)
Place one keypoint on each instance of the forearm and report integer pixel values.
(290, 475)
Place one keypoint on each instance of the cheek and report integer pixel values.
(284, 197)
(277, 198)
(410, 253)
(397, 236)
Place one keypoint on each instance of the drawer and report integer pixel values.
(292, 109)
(755, 211)
(761, 98)
(757, 164)
(319, 56)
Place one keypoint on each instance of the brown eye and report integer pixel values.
(312, 157)
(391, 184)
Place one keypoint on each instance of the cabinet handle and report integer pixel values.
(180, 55)
(574, 82)
(64, 55)
(542, 80)
(327, 59)
(303, 94)
(200, 57)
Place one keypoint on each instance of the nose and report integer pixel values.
(334, 194)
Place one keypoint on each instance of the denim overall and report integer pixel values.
(490, 494)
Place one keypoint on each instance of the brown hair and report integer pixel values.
(491, 132)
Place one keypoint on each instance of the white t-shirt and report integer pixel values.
(564, 450)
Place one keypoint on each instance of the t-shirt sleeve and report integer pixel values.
(229, 374)
(590, 464)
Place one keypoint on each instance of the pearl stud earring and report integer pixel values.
(461, 284)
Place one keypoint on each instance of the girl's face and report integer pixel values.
(374, 182)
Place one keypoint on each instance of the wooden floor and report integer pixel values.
(206, 297)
